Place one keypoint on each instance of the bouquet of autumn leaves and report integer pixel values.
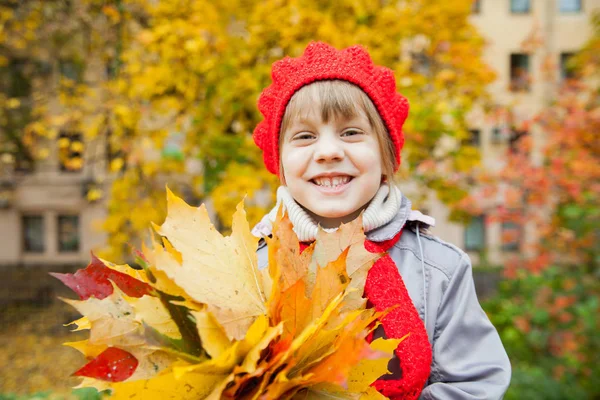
(199, 320)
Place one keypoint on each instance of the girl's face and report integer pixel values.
(334, 168)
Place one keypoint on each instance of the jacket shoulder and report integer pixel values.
(434, 251)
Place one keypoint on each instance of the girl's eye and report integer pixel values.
(351, 132)
(303, 136)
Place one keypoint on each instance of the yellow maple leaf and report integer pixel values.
(166, 386)
(86, 348)
(150, 310)
(213, 335)
(81, 324)
(221, 272)
(111, 319)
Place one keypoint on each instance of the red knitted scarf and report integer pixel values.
(385, 288)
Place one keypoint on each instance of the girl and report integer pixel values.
(332, 132)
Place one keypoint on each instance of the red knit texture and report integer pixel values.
(385, 288)
(321, 61)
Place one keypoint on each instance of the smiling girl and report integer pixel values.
(332, 132)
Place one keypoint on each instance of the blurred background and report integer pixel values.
(104, 102)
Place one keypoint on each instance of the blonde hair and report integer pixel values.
(340, 98)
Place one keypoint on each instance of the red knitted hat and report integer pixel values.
(321, 61)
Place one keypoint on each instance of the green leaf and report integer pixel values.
(191, 342)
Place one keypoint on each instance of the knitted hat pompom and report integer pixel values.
(321, 61)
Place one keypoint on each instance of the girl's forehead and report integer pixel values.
(314, 115)
(317, 112)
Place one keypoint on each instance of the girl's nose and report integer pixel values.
(328, 149)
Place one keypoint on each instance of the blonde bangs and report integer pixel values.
(335, 99)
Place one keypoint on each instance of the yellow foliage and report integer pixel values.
(94, 194)
(239, 182)
(13, 103)
(197, 67)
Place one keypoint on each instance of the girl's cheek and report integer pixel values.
(366, 156)
(292, 155)
(289, 163)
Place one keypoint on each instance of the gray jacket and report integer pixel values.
(469, 361)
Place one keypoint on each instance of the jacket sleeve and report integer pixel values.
(469, 360)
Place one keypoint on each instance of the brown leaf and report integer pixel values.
(284, 250)
(329, 246)
(330, 282)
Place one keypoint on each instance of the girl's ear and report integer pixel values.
(384, 179)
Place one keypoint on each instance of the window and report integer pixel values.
(68, 233)
(112, 67)
(475, 234)
(24, 163)
(497, 135)
(519, 72)
(514, 138)
(7, 193)
(476, 7)
(475, 137)
(511, 234)
(33, 233)
(569, 6)
(70, 152)
(71, 69)
(520, 6)
(566, 69)
(14, 78)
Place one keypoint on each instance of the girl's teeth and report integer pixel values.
(332, 182)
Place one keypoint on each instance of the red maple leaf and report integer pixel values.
(94, 280)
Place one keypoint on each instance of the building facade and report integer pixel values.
(529, 43)
(46, 217)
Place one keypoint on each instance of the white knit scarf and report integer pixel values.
(382, 209)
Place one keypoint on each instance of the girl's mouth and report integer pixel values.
(332, 185)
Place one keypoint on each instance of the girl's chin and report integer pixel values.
(330, 218)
